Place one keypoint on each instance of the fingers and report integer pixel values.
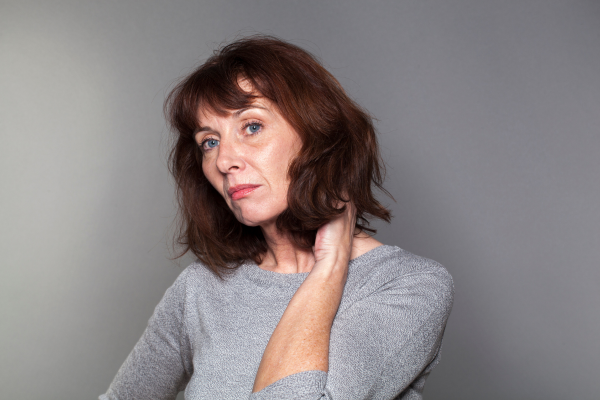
(334, 239)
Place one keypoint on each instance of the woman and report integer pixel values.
(290, 297)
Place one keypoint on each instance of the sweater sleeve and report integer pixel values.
(160, 364)
(382, 346)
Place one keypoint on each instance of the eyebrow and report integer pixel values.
(236, 114)
(242, 110)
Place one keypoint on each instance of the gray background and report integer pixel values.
(489, 116)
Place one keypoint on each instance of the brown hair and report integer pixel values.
(339, 159)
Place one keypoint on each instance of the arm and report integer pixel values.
(159, 365)
(300, 341)
(386, 336)
(388, 341)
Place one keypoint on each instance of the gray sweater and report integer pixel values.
(207, 335)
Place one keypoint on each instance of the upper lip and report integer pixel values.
(236, 188)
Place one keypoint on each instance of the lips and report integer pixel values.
(239, 191)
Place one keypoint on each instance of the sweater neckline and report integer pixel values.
(263, 276)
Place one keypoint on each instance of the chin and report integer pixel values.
(255, 222)
(248, 223)
(258, 212)
(257, 218)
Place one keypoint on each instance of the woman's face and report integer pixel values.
(246, 156)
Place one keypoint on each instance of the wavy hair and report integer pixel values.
(339, 159)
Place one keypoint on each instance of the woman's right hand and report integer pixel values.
(333, 244)
(300, 341)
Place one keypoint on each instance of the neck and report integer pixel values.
(283, 255)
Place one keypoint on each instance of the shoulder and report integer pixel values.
(194, 271)
(392, 270)
(393, 262)
(199, 281)
(193, 279)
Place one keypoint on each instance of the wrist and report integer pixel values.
(331, 271)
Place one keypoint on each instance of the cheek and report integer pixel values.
(287, 157)
(276, 165)
(213, 178)
(281, 180)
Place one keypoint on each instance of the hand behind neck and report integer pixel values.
(283, 256)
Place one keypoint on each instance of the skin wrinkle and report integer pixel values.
(262, 158)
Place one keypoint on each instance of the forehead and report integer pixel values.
(207, 112)
(246, 85)
(226, 99)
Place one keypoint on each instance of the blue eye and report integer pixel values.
(253, 128)
(210, 143)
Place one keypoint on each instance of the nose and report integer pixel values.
(229, 158)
